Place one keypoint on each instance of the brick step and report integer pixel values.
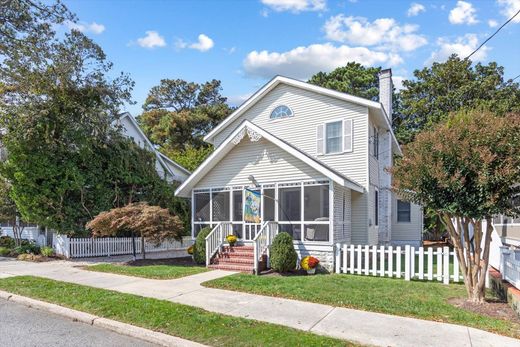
(236, 255)
(238, 249)
(240, 261)
(232, 267)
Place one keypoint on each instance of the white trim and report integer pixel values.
(341, 148)
(281, 118)
(227, 145)
(377, 106)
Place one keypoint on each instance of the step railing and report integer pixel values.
(216, 238)
(262, 241)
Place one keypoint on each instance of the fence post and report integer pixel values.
(407, 262)
(338, 257)
(345, 259)
(446, 263)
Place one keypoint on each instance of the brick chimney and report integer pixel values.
(385, 91)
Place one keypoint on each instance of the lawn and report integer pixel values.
(425, 300)
(170, 318)
(161, 272)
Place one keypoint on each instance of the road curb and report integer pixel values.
(115, 326)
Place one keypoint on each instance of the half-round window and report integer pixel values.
(281, 111)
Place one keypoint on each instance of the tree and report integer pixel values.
(177, 114)
(467, 170)
(152, 222)
(8, 211)
(448, 87)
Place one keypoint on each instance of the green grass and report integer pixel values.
(161, 272)
(425, 300)
(187, 322)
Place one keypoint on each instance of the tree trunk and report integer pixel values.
(143, 250)
(473, 260)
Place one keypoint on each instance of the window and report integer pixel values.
(333, 136)
(280, 112)
(375, 143)
(403, 211)
(376, 208)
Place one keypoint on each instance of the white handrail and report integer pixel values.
(262, 241)
(216, 238)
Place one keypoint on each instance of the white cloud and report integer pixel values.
(152, 39)
(463, 13)
(508, 8)
(383, 32)
(237, 100)
(492, 23)
(398, 82)
(203, 44)
(462, 46)
(94, 28)
(295, 6)
(415, 9)
(303, 62)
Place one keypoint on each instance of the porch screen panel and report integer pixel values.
(221, 206)
(202, 204)
(269, 196)
(290, 204)
(316, 232)
(316, 200)
(237, 205)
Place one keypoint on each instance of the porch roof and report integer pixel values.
(236, 136)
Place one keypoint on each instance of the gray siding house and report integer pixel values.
(315, 159)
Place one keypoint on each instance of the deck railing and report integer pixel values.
(216, 238)
(262, 241)
(510, 265)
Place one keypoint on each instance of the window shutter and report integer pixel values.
(319, 139)
(347, 135)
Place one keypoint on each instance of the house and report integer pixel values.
(165, 167)
(305, 160)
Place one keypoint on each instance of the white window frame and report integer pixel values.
(342, 136)
(271, 119)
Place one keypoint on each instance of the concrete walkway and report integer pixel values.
(358, 326)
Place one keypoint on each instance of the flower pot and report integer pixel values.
(311, 271)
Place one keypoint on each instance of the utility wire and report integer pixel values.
(496, 32)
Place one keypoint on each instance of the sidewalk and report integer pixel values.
(358, 326)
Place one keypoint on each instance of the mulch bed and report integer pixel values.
(492, 308)
(183, 261)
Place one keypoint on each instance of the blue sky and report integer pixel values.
(244, 43)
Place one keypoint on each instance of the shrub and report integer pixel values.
(4, 251)
(47, 251)
(7, 242)
(283, 255)
(199, 251)
(28, 247)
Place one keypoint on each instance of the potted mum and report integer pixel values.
(231, 239)
(309, 264)
(191, 250)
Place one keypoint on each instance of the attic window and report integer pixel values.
(280, 112)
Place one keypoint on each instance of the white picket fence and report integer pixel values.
(510, 265)
(401, 262)
(110, 246)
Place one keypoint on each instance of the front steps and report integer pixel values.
(236, 258)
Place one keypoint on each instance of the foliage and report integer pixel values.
(199, 248)
(165, 316)
(9, 213)
(27, 247)
(450, 86)
(47, 251)
(466, 170)
(177, 114)
(160, 272)
(283, 256)
(4, 251)
(6, 241)
(309, 262)
(152, 222)
(418, 299)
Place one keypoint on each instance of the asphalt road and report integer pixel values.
(22, 326)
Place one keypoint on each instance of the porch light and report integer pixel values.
(253, 181)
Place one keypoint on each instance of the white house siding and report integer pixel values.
(311, 109)
(359, 218)
(407, 233)
(342, 214)
(266, 162)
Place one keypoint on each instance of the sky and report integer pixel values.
(244, 43)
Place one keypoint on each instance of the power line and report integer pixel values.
(515, 78)
(496, 32)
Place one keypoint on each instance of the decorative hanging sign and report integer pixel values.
(252, 206)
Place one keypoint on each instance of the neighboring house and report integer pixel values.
(316, 159)
(166, 168)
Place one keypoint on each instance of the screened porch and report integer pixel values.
(303, 209)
